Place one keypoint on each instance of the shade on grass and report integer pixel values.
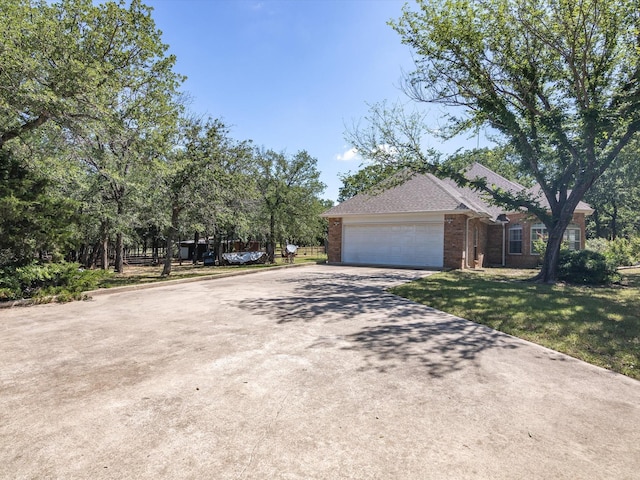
(600, 325)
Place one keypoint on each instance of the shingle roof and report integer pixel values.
(480, 171)
(537, 192)
(427, 193)
(421, 193)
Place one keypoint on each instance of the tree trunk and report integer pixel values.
(596, 220)
(104, 244)
(166, 270)
(614, 222)
(196, 239)
(83, 258)
(549, 271)
(217, 242)
(119, 266)
(93, 256)
(551, 260)
(271, 245)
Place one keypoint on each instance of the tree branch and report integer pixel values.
(25, 127)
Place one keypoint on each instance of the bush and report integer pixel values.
(67, 280)
(621, 251)
(587, 267)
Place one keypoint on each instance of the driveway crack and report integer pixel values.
(266, 431)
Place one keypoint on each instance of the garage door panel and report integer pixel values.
(410, 244)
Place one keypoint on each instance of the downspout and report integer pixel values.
(503, 220)
(503, 240)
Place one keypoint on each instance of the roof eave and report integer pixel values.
(466, 211)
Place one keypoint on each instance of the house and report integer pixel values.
(433, 223)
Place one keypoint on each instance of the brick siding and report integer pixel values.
(454, 230)
(525, 259)
(334, 247)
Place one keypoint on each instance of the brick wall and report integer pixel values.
(334, 247)
(476, 243)
(456, 251)
(454, 231)
(493, 257)
(580, 220)
(526, 259)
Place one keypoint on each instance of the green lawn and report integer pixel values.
(600, 325)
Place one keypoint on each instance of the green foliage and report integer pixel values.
(587, 267)
(615, 197)
(32, 217)
(92, 156)
(43, 280)
(89, 88)
(620, 252)
(501, 159)
(365, 179)
(71, 61)
(289, 187)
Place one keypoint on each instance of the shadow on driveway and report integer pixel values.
(389, 330)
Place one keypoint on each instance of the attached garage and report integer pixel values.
(417, 243)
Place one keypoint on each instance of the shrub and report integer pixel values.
(598, 244)
(621, 251)
(587, 267)
(41, 280)
(634, 246)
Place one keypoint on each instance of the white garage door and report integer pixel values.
(407, 244)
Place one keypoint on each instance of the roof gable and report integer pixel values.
(425, 193)
(419, 194)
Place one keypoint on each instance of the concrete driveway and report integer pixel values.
(311, 372)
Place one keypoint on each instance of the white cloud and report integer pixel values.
(386, 149)
(349, 155)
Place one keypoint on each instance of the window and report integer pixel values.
(515, 239)
(571, 236)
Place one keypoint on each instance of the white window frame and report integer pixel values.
(576, 243)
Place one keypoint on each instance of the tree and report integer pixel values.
(615, 197)
(365, 179)
(289, 187)
(118, 148)
(62, 62)
(33, 218)
(558, 81)
(99, 72)
(500, 159)
(200, 178)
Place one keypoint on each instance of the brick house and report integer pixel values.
(433, 223)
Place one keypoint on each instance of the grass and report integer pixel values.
(134, 275)
(600, 325)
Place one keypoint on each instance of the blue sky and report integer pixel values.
(288, 74)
